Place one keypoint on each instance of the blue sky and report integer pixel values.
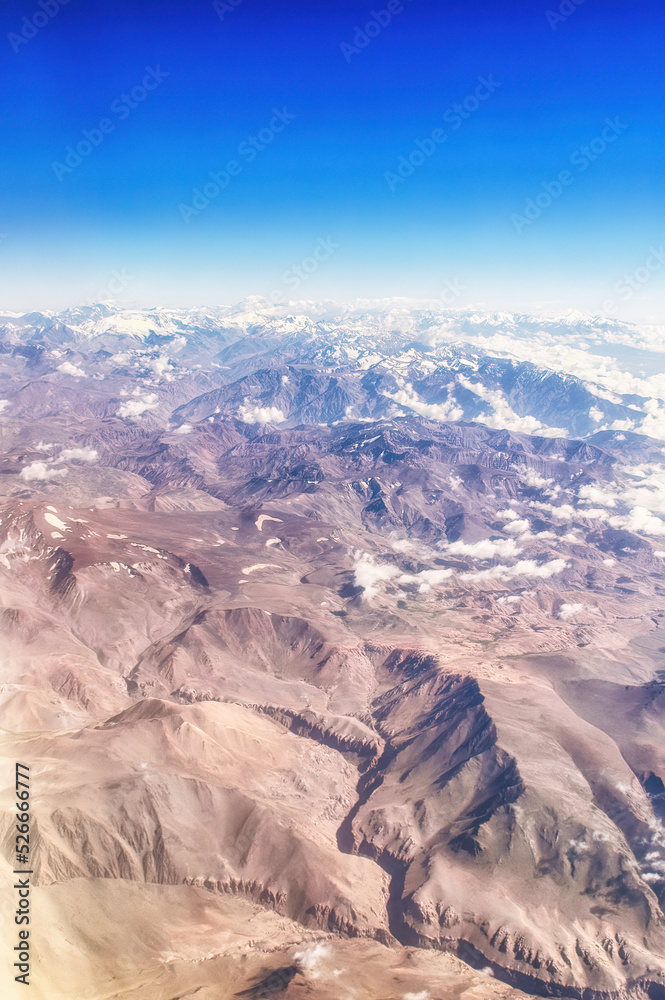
(354, 109)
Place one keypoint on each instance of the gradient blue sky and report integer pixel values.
(324, 175)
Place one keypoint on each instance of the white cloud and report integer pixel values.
(620, 425)
(261, 415)
(40, 471)
(163, 367)
(78, 454)
(184, 429)
(564, 512)
(525, 567)
(435, 411)
(599, 393)
(533, 478)
(594, 494)
(67, 368)
(644, 496)
(367, 573)
(520, 526)
(486, 548)
(596, 414)
(426, 579)
(4, 403)
(640, 520)
(310, 959)
(654, 422)
(137, 407)
(602, 376)
(570, 610)
(504, 417)
(507, 515)
(407, 545)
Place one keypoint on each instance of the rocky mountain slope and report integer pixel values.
(335, 643)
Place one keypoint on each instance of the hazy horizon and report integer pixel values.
(509, 152)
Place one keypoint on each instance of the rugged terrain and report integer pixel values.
(335, 642)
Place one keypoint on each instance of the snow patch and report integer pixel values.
(261, 520)
(55, 521)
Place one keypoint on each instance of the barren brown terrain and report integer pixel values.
(330, 684)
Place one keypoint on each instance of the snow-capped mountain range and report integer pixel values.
(567, 376)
